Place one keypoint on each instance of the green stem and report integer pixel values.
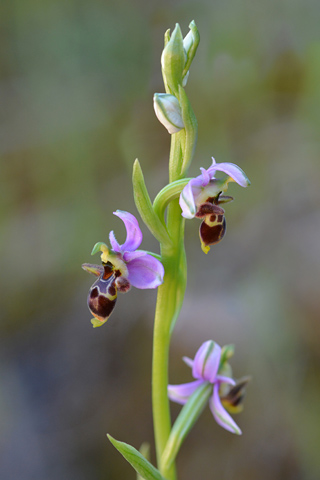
(169, 302)
(171, 292)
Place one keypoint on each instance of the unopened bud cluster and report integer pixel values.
(176, 59)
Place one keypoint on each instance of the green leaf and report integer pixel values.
(184, 423)
(142, 466)
(145, 452)
(145, 208)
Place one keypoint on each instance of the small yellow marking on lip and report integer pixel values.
(204, 248)
(105, 253)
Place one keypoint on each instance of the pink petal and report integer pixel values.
(181, 393)
(134, 234)
(145, 272)
(221, 416)
(128, 256)
(186, 200)
(188, 361)
(223, 379)
(206, 361)
(205, 177)
(232, 170)
(113, 242)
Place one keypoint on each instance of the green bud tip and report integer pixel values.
(226, 353)
(173, 60)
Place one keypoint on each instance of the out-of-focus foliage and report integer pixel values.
(76, 86)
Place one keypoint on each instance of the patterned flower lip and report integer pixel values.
(205, 368)
(121, 267)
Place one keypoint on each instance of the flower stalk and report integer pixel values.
(125, 265)
(169, 302)
(176, 59)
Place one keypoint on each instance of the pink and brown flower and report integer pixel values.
(122, 266)
(202, 197)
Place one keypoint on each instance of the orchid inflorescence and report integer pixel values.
(124, 265)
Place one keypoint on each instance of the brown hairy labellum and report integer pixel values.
(213, 227)
(103, 295)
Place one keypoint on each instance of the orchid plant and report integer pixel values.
(123, 265)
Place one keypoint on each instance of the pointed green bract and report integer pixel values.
(141, 465)
(191, 130)
(144, 206)
(184, 423)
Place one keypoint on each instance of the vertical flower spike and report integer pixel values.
(206, 368)
(121, 267)
(201, 198)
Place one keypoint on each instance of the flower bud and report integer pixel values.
(188, 42)
(226, 353)
(190, 45)
(168, 112)
(173, 60)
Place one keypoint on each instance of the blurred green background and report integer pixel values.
(76, 86)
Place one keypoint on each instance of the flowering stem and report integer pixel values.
(171, 292)
(169, 302)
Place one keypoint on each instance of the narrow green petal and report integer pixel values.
(144, 206)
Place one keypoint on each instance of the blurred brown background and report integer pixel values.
(76, 87)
